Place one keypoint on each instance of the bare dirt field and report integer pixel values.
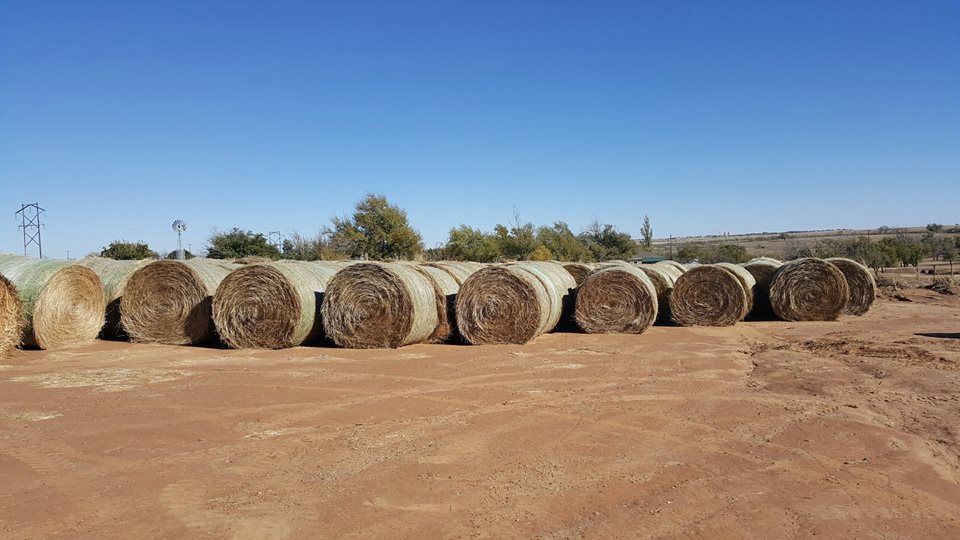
(773, 429)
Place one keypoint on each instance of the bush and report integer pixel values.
(128, 251)
(239, 243)
(377, 230)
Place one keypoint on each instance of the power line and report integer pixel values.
(30, 223)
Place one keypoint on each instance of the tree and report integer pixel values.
(377, 230)
(562, 244)
(688, 253)
(173, 255)
(796, 250)
(318, 248)
(934, 227)
(128, 251)
(647, 232)
(541, 254)
(606, 243)
(469, 244)
(518, 242)
(730, 253)
(879, 256)
(238, 243)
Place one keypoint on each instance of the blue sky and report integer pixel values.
(119, 117)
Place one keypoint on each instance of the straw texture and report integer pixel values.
(863, 288)
(618, 299)
(114, 275)
(170, 301)
(380, 305)
(62, 303)
(11, 318)
(808, 289)
(513, 303)
(708, 295)
(273, 305)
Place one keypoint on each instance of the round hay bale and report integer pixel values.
(746, 280)
(253, 259)
(762, 270)
(272, 305)
(11, 318)
(446, 287)
(863, 288)
(114, 275)
(170, 301)
(808, 289)
(459, 270)
(708, 295)
(376, 305)
(663, 278)
(675, 264)
(513, 303)
(62, 303)
(579, 271)
(618, 299)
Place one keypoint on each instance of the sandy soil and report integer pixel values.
(844, 429)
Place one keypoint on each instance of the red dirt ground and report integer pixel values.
(842, 429)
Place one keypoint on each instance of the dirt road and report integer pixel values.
(844, 429)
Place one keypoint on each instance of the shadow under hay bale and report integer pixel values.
(618, 299)
(762, 270)
(170, 302)
(860, 282)
(709, 295)
(63, 303)
(272, 305)
(808, 289)
(11, 318)
(380, 305)
(513, 303)
(114, 275)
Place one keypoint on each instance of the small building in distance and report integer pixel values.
(647, 259)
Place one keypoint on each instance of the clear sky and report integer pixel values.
(119, 117)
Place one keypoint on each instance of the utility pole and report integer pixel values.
(275, 239)
(30, 223)
(68, 254)
(671, 247)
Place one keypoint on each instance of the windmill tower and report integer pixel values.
(180, 226)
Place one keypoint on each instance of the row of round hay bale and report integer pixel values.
(62, 303)
(808, 289)
(863, 288)
(762, 270)
(711, 295)
(114, 275)
(11, 318)
(579, 271)
(746, 281)
(663, 277)
(272, 305)
(618, 299)
(513, 303)
(376, 305)
(170, 301)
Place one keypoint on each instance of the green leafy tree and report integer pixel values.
(173, 255)
(469, 244)
(518, 242)
(128, 251)
(541, 254)
(606, 243)
(646, 232)
(318, 248)
(934, 227)
(562, 244)
(238, 243)
(377, 230)
(730, 253)
(688, 253)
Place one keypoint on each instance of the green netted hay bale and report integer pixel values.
(273, 305)
(170, 301)
(62, 303)
(114, 275)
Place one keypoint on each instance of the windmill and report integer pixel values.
(180, 226)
